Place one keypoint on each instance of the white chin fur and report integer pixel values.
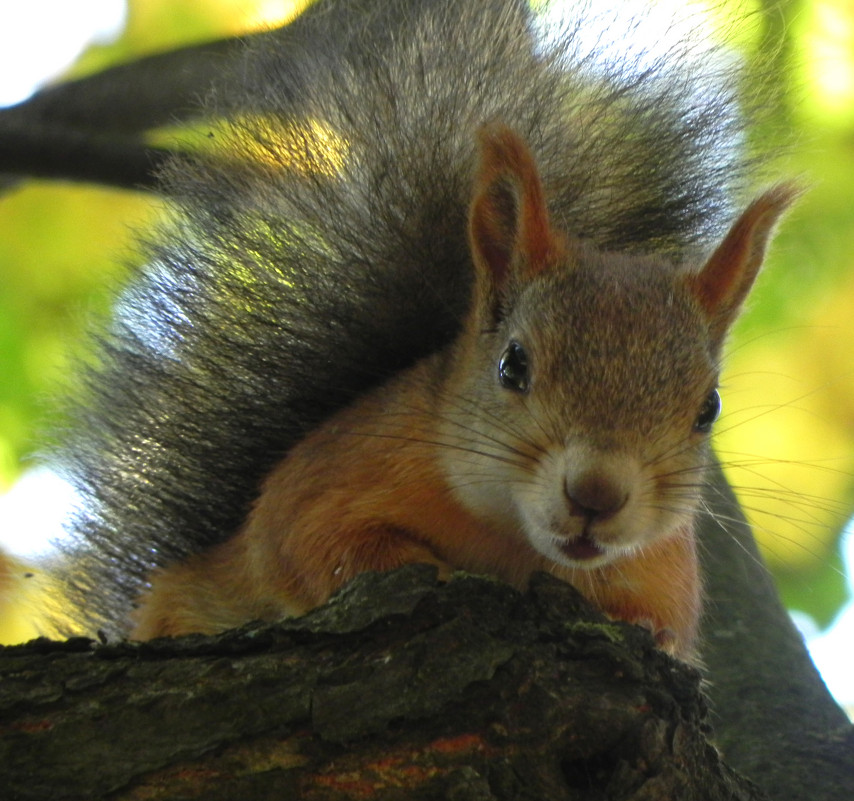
(548, 540)
(550, 547)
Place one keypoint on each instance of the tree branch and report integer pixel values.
(69, 155)
(775, 719)
(401, 688)
(130, 98)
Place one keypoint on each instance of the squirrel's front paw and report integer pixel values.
(665, 638)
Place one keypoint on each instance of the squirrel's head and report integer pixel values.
(587, 380)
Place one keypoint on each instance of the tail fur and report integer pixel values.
(318, 244)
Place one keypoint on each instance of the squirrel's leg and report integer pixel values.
(333, 557)
(238, 581)
(206, 593)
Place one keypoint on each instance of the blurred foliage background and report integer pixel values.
(787, 435)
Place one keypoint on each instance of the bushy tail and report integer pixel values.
(317, 243)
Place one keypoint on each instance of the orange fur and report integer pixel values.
(452, 465)
(385, 504)
(509, 208)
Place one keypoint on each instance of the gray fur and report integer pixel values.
(275, 296)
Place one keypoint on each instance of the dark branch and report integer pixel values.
(69, 155)
(130, 98)
(402, 688)
(775, 719)
(91, 129)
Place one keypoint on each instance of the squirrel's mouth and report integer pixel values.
(582, 549)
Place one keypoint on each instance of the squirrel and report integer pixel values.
(447, 285)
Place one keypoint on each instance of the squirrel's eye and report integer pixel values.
(513, 368)
(709, 412)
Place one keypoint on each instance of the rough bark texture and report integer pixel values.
(402, 688)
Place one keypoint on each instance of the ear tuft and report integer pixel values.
(509, 229)
(724, 281)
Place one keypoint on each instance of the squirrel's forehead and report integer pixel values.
(642, 321)
(601, 298)
(613, 349)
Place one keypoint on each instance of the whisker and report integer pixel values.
(435, 442)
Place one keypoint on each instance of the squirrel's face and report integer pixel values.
(585, 382)
(590, 412)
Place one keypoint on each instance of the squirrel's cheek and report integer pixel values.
(487, 501)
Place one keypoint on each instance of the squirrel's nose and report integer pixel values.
(595, 495)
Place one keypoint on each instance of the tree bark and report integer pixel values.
(401, 688)
(406, 688)
(775, 720)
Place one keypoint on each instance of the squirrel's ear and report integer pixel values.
(509, 230)
(726, 278)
